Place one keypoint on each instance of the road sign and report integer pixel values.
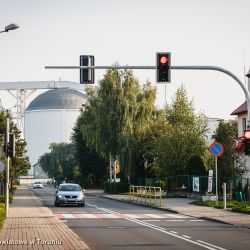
(216, 149)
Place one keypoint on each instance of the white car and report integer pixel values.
(37, 184)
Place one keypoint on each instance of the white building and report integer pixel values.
(50, 118)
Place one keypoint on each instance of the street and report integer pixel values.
(106, 224)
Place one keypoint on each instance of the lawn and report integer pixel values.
(235, 206)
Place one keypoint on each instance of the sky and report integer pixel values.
(199, 33)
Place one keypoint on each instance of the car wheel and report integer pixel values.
(56, 204)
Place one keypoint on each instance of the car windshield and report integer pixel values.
(69, 188)
(37, 182)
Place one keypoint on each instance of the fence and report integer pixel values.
(195, 186)
(146, 195)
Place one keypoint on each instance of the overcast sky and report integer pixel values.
(56, 32)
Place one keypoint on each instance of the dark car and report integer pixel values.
(69, 194)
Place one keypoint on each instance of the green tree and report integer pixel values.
(184, 139)
(92, 170)
(60, 162)
(232, 162)
(19, 165)
(117, 121)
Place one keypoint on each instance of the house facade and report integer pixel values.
(241, 112)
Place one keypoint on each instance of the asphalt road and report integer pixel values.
(106, 224)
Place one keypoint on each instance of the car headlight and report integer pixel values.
(80, 196)
(60, 196)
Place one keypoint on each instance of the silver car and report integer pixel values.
(69, 194)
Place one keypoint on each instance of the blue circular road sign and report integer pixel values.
(216, 149)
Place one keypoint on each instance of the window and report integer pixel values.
(244, 124)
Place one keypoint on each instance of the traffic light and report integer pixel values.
(87, 75)
(247, 142)
(11, 148)
(163, 64)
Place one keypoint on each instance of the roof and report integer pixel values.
(58, 99)
(241, 109)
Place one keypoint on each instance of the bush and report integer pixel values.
(159, 183)
(116, 187)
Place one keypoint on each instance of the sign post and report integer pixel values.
(216, 149)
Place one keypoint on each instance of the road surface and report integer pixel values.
(113, 225)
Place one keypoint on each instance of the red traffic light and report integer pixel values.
(163, 60)
(247, 134)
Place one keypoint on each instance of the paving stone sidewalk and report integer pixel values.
(182, 206)
(30, 225)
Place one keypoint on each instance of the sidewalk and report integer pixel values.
(181, 206)
(30, 225)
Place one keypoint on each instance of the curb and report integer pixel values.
(174, 211)
(139, 204)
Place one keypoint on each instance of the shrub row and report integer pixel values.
(116, 187)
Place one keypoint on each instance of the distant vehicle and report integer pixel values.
(69, 194)
(37, 184)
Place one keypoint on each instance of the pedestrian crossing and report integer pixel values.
(170, 217)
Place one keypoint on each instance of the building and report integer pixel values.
(49, 118)
(241, 112)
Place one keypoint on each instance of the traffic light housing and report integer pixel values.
(87, 76)
(11, 147)
(247, 142)
(163, 67)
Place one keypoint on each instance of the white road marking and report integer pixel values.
(163, 230)
(89, 216)
(174, 220)
(186, 236)
(115, 227)
(134, 216)
(204, 242)
(177, 216)
(68, 216)
(157, 216)
(151, 220)
(196, 220)
(173, 232)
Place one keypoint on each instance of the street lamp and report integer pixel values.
(11, 26)
(7, 165)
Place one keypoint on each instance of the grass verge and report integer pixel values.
(235, 206)
(2, 214)
(2, 209)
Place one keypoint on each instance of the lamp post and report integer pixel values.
(7, 165)
(9, 27)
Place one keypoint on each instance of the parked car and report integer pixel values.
(69, 194)
(37, 184)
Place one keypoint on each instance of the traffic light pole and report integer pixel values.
(215, 68)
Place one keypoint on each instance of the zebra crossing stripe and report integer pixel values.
(156, 216)
(177, 216)
(167, 217)
(68, 216)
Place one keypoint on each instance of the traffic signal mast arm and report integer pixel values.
(172, 67)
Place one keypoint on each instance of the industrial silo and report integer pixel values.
(49, 118)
